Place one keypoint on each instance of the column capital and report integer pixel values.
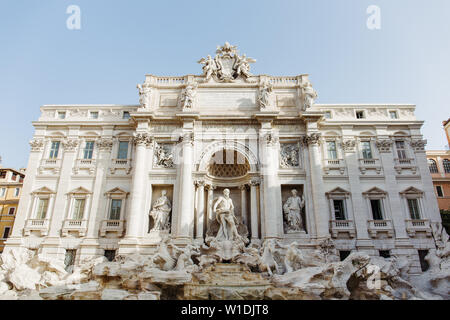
(312, 139)
(142, 138)
(255, 182)
(243, 187)
(187, 137)
(199, 183)
(211, 187)
(384, 145)
(104, 144)
(418, 145)
(37, 144)
(348, 145)
(70, 144)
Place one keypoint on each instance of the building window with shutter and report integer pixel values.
(432, 166)
(123, 150)
(54, 150)
(413, 207)
(366, 150)
(6, 232)
(78, 209)
(42, 207)
(377, 211)
(401, 149)
(446, 164)
(88, 150)
(339, 210)
(116, 206)
(11, 211)
(439, 192)
(331, 150)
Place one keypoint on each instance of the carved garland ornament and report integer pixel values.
(418, 145)
(384, 146)
(36, 144)
(142, 139)
(348, 145)
(104, 144)
(70, 144)
(313, 138)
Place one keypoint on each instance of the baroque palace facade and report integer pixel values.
(117, 179)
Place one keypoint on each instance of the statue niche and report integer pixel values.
(159, 216)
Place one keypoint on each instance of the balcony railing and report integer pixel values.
(84, 164)
(342, 226)
(70, 225)
(116, 226)
(369, 164)
(122, 164)
(404, 162)
(418, 225)
(40, 225)
(50, 164)
(380, 226)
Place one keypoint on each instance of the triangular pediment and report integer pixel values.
(411, 190)
(79, 190)
(43, 190)
(116, 190)
(338, 191)
(374, 191)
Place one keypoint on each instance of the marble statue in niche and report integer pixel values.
(224, 210)
(161, 212)
(292, 210)
(290, 155)
(144, 95)
(265, 96)
(163, 157)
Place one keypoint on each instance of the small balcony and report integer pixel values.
(367, 165)
(40, 225)
(333, 164)
(405, 164)
(377, 227)
(74, 226)
(84, 164)
(116, 226)
(418, 225)
(50, 165)
(342, 226)
(120, 164)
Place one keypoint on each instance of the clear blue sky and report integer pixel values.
(42, 62)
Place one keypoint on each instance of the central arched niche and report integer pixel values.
(228, 168)
(228, 164)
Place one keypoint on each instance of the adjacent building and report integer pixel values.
(11, 182)
(102, 178)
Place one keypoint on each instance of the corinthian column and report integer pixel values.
(185, 208)
(137, 194)
(209, 212)
(244, 203)
(254, 209)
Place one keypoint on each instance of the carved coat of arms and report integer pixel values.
(227, 65)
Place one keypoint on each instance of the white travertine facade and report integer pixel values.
(121, 177)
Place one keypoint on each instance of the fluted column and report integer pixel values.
(244, 203)
(185, 209)
(200, 208)
(209, 211)
(136, 214)
(318, 192)
(254, 221)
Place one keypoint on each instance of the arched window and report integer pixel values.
(446, 163)
(432, 165)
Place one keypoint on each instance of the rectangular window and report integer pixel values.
(11, 211)
(16, 192)
(110, 254)
(377, 212)
(114, 213)
(385, 253)
(423, 263)
(331, 149)
(69, 259)
(393, 114)
(123, 150)
(359, 114)
(327, 115)
(2, 174)
(61, 115)
(339, 209)
(54, 149)
(42, 208)
(88, 150)
(366, 150)
(94, 114)
(413, 206)
(6, 232)
(2, 192)
(401, 150)
(126, 115)
(14, 177)
(343, 254)
(78, 209)
(439, 192)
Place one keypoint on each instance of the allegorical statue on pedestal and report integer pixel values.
(160, 213)
(292, 210)
(224, 210)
